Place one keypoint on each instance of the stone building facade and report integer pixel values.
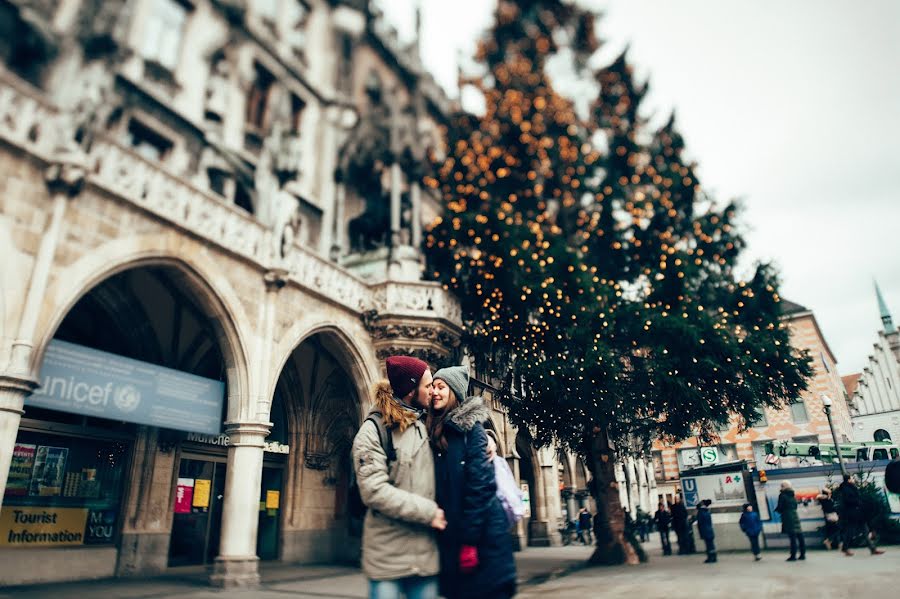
(226, 189)
(803, 421)
(875, 392)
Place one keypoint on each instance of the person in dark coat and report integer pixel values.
(706, 530)
(790, 521)
(832, 519)
(853, 517)
(476, 551)
(680, 526)
(752, 526)
(663, 519)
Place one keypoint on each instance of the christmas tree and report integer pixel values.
(598, 281)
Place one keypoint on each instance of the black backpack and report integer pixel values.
(355, 506)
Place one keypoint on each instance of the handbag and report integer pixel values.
(831, 517)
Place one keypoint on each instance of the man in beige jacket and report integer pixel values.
(399, 550)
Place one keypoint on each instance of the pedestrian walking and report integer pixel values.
(853, 516)
(681, 526)
(399, 547)
(584, 526)
(476, 552)
(508, 491)
(663, 519)
(790, 521)
(832, 519)
(752, 527)
(643, 525)
(706, 530)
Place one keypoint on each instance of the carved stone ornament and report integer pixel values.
(316, 461)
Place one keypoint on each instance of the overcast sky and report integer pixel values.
(792, 106)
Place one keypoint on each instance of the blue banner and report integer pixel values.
(86, 381)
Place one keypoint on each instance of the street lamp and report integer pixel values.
(826, 402)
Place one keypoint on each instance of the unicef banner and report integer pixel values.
(86, 381)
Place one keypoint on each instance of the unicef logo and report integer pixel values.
(127, 398)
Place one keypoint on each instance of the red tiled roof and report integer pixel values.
(851, 382)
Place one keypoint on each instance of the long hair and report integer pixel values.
(435, 422)
(392, 412)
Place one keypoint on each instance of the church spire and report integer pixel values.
(886, 319)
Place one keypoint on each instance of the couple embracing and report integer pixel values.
(425, 470)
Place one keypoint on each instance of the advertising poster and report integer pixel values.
(42, 526)
(725, 489)
(273, 498)
(85, 381)
(526, 500)
(201, 493)
(101, 526)
(49, 471)
(184, 495)
(20, 470)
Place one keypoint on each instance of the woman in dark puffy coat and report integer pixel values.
(476, 548)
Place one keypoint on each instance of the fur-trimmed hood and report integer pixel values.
(392, 411)
(471, 412)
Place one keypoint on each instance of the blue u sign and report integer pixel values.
(86, 381)
(689, 488)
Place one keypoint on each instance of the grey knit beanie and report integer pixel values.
(457, 378)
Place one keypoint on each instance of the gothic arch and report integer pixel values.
(195, 275)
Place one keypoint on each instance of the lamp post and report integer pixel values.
(826, 402)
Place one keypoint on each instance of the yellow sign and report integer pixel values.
(201, 492)
(42, 526)
(272, 499)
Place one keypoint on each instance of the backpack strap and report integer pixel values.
(384, 435)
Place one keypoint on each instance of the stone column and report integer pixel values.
(339, 225)
(237, 564)
(396, 193)
(416, 199)
(13, 391)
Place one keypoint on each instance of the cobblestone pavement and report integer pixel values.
(824, 575)
(279, 581)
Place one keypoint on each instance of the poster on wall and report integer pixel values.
(201, 493)
(49, 471)
(725, 489)
(20, 470)
(184, 495)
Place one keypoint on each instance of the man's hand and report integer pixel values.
(439, 522)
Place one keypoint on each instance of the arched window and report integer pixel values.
(882, 435)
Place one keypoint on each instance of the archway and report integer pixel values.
(322, 407)
(881, 435)
(121, 467)
(535, 522)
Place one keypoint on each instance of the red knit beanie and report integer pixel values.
(404, 373)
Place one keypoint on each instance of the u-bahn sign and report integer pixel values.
(81, 380)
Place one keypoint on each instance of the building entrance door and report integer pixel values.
(197, 521)
(269, 513)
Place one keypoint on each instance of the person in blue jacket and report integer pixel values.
(476, 549)
(705, 528)
(752, 527)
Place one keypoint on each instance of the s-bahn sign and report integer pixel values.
(85, 381)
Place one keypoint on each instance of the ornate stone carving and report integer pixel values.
(279, 163)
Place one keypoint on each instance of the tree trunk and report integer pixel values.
(613, 546)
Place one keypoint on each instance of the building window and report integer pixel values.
(163, 32)
(825, 362)
(297, 106)
(760, 418)
(798, 412)
(882, 435)
(71, 485)
(659, 471)
(147, 142)
(258, 100)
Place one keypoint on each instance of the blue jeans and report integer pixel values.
(412, 587)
